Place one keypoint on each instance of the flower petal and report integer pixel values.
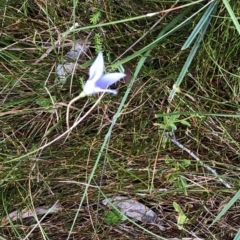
(89, 88)
(113, 91)
(96, 70)
(109, 79)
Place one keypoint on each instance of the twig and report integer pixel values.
(172, 137)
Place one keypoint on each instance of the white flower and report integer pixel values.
(98, 81)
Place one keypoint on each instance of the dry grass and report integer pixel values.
(135, 163)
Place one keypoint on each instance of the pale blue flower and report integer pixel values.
(98, 81)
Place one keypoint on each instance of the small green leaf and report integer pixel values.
(113, 217)
(94, 18)
(173, 126)
(182, 218)
(46, 103)
(175, 117)
(172, 177)
(185, 123)
(185, 163)
(183, 184)
(43, 102)
(168, 160)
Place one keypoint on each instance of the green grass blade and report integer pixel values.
(237, 237)
(232, 15)
(123, 20)
(167, 31)
(205, 18)
(227, 207)
(190, 58)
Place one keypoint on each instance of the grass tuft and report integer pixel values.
(182, 66)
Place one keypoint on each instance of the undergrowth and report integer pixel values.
(176, 112)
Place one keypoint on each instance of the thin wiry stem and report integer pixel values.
(68, 109)
(172, 137)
